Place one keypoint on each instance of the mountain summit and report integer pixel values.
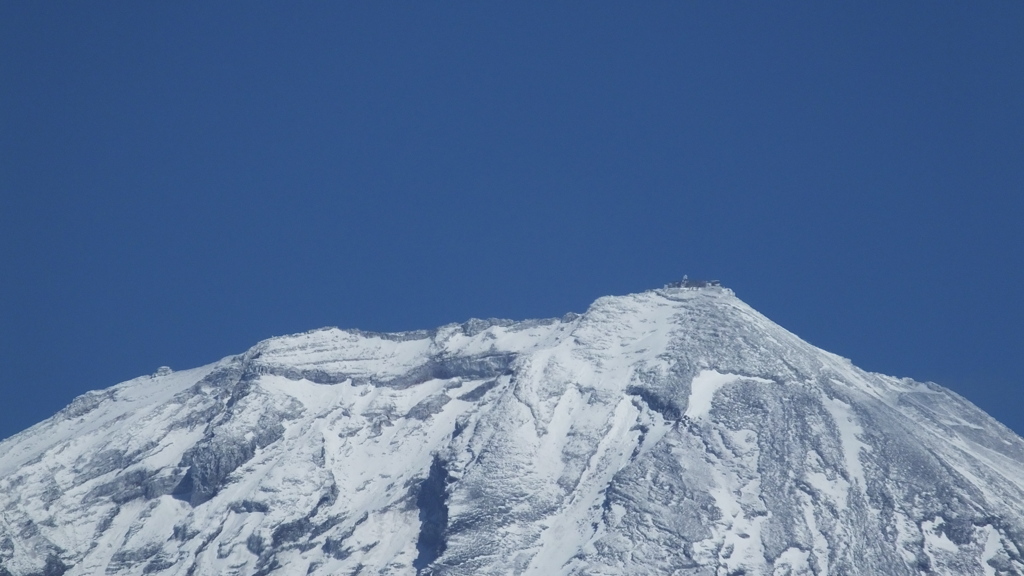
(671, 432)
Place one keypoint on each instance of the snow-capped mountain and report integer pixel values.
(672, 432)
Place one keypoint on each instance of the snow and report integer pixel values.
(705, 385)
(560, 468)
(821, 547)
(702, 391)
(124, 401)
(849, 435)
(937, 546)
(992, 547)
(571, 528)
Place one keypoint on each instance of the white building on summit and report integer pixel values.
(687, 283)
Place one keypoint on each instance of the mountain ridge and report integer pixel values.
(673, 431)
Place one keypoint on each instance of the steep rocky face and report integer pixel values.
(675, 431)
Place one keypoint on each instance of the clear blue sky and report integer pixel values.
(181, 180)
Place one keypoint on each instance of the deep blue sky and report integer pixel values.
(179, 181)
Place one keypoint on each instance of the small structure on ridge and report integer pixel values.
(687, 283)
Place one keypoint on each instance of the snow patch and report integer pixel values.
(705, 385)
(992, 547)
(702, 391)
(849, 437)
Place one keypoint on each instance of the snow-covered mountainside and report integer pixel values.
(672, 432)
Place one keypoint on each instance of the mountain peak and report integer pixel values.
(672, 431)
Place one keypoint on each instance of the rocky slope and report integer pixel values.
(675, 431)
